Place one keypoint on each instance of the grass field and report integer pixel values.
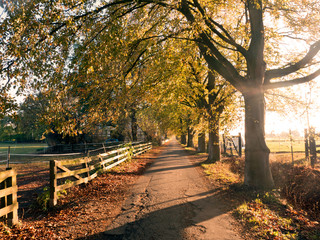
(277, 145)
(22, 148)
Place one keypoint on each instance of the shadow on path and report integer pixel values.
(171, 201)
(172, 222)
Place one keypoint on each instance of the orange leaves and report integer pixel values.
(90, 70)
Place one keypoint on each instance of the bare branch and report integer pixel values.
(292, 82)
(276, 73)
(213, 56)
(285, 97)
(219, 44)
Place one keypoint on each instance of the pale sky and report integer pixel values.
(300, 118)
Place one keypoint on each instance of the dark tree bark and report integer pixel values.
(190, 137)
(213, 145)
(134, 126)
(214, 113)
(201, 142)
(257, 169)
(183, 139)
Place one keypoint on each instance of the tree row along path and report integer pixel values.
(172, 201)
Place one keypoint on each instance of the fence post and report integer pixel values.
(10, 199)
(53, 183)
(86, 166)
(224, 144)
(8, 158)
(12, 218)
(104, 147)
(8, 184)
(240, 145)
(306, 144)
(291, 145)
(312, 145)
(230, 144)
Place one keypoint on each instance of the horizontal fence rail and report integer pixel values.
(111, 159)
(84, 147)
(8, 197)
(68, 173)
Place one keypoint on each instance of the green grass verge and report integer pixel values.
(22, 148)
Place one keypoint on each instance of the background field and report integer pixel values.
(34, 153)
(280, 145)
(276, 146)
(22, 148)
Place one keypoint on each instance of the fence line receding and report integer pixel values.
(68, 173)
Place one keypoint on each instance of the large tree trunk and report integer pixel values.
(134, 126)
(183, 139)
(190, 137)
(213, 145)
(202, 142)
(257, 169)
(213, 121)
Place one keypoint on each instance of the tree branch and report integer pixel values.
(222, 65)
(212, 55)
(292, 82)
(134, 63)
(257, 30)
(276, 73)
(228, 38)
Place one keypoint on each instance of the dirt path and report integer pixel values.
(172, 201)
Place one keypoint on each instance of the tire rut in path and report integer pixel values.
(172, 201)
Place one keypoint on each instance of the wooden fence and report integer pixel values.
(8, 197)
(73, 148)
(68, 173)
(110, 159)
(231, 145)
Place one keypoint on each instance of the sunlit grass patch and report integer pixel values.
(221, 172)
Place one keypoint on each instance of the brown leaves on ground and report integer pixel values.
(302, 188)
(86, 210)
(266, 215)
